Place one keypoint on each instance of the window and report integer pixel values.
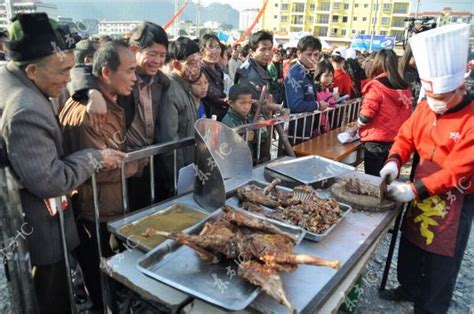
(364, 19)
(323, 19)
(334, 31)
(336, 6)
(366, 6)
(353, 31)
(325, 6)
(362, 32)
(398, 22)
(387, 7)
(343, 32)
(312, 7)
(297, 19)
(356, 5)
(284, 6)
(311, 19)
(385, 20)
(346, 6)
(344, 19)
(284, 18)
(275, 16)
(322, 31)
(335, 18)
(383, 32)
(276, 5)
(400, 8)
(298, 7)
(354, 18)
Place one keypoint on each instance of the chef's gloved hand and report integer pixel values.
(390, 170)
(401, 192)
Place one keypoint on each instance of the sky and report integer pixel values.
(425, 5)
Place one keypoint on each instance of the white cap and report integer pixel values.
(441, 57)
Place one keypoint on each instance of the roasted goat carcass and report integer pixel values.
(264, 248)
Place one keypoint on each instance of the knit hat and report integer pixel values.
(33, 36)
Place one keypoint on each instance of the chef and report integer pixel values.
(436, 226)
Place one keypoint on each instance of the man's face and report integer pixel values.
(121, 81)
(309, 58)
(263, 54)
(190, 68)
(52, 73)
(151, 59)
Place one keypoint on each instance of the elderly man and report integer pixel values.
(114, 67)
(148, 43)
(41, 60)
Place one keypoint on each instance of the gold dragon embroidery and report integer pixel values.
(433, 206)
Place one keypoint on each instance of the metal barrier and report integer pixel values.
(14, 251)
(341, 114)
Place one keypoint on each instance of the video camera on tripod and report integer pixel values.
(417, 25)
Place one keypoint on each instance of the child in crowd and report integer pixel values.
(323, 77)
(199, 90)
(325, 92)
(239, 113)
(240, 103)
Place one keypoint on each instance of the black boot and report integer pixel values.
(398, 294)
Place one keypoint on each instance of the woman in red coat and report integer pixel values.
(386, 104)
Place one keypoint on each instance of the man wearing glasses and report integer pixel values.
(178, 113)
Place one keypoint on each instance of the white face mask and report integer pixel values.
(439, 106)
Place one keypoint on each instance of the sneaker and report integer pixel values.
(398, 294)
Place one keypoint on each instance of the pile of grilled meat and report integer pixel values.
(264, 249)
(300, 207)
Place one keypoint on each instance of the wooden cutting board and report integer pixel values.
(358, 201)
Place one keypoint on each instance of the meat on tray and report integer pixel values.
(300, 207)
(264, 249)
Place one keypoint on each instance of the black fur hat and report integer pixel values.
(33, 36)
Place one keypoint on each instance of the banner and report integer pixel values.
(362, 42)
(249, 30)
(170, 22)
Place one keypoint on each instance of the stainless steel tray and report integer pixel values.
(312, 236)
(311, 170)
(115, 226)
(179, 266)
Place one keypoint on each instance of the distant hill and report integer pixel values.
(157, 11)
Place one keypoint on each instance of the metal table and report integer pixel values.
(309, 288)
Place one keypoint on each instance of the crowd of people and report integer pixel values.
(70, 108)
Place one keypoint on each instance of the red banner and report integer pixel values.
(249, 30)
(170, 22)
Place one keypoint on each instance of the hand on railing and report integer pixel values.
(323, 105)
(111, 159)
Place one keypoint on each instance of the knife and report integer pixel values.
(383, 187)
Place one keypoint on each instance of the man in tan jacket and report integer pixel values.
(114, 67)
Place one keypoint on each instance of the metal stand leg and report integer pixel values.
(66, 255)
(103, 277)
(393, 241)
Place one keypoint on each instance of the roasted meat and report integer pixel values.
(240, 219)
(301, 207)
(355, 186)
(264, 248)
(267, 278)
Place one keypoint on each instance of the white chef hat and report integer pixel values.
(441, 57)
